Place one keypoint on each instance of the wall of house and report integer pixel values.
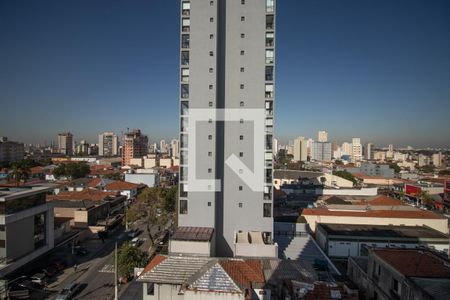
(162, 292)
(190, 247)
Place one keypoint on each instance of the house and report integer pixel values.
(401, 274)
(127, 189)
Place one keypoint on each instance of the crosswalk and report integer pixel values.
(107, 269)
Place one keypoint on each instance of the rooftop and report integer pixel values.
(198, 234)
(402, 214)
(121, 185)
(87, 194)
(415, 263)
(382, 231)
(12, 192)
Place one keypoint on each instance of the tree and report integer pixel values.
(113, 176)
(72, 170)
(153, 204)
(128, 258)
(346, 175)
(20, 172)
(427, 169)
(394, 166)
(426, 199)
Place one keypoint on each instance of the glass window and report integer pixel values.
(183, 157)
(211, 20)
(15, 205)
(185, 91)
(186, 24)
(185, 41)
(40, 236)
(241, 103)
(183, 190)
(242, 35)
(269, 39)
(269, 22)
(242, 19)
(183, 207)
(211, 36)
(267, 210)
(242, 52)
(242, 70)
(241, 188)
(240, 204)
(184, 58)
(269, 73)
(183, 173)
(184, 123)
(269, 6)
(184, 141)
(269, 56)
(269, 90)
(184, 108)
(184, 75)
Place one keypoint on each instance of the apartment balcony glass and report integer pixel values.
(183, 157)
(185, 41)
(269, 56)
(186, 25)
(183, 173)
(185, 91)
(269, 73)
(269, 138)
(184, 141)
(269, 22)
(184, 108)
(268, 175)
(185, 58)
(269, 108)
(184, 124)
(270, 37)
(186, 9)
(185, 75)
(269, 90)
(269, 6)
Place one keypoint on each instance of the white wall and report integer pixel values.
(190, 247)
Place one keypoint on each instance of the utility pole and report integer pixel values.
(116, 291)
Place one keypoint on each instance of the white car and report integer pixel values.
(136, 242)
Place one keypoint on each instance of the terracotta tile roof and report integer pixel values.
(175, 169)
(121, 185)
(384, 200)
(246, 273)
(153, 263)
(189, 233)
(405, 214)
(417, 263)
(94, 183)
(88, 194)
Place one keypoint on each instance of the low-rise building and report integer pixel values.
(26, 226)
(127, 189)
(344, 240)
(90, 208)
(370, 216)
(387, 274)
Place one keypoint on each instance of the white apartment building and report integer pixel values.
(227, 62)
(322, 136)
(175, 148)
(65, 143)
(437, 159)
(108, 144)
(356, 150)
(369, 151)
(300, 149)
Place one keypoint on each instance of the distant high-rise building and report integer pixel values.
(369, 151)
(437, 159)
(135, 145)
(423, 160)
(108, 144)
(82, 148)
(356, 150)
(175, 148)
(300, 149)
(391, 148)
(346, 149)
(321, 151)
(322, 136)
(65, 143)
(163, 147)
(10, 151)
(227, 62)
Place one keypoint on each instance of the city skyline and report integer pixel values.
(91, 67)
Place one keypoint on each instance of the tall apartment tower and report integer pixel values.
(227, 63)
(322, 136)
(369, 151)
(135, 145)
(108, 144)
(65, 143)
(300, 149)
(356, 150)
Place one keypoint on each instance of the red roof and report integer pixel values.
(153, 263)
(94, 183)
(244, 273)
(404, 214)
(88, 194)
(413, 262)
(37, 170)
(383, 200)
(121, 185)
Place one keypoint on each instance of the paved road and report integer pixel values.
(96, 277)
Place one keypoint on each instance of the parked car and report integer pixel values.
(39, 279)
(136, 242)
(67, 292)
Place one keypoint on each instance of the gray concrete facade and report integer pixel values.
(230, 66)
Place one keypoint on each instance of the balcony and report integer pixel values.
(184, 91)
(269, 22)
(185, 39)
(186, 12)
(270, 37)
(269, 73)
(185, 58)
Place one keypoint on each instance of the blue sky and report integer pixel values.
(379, 70)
